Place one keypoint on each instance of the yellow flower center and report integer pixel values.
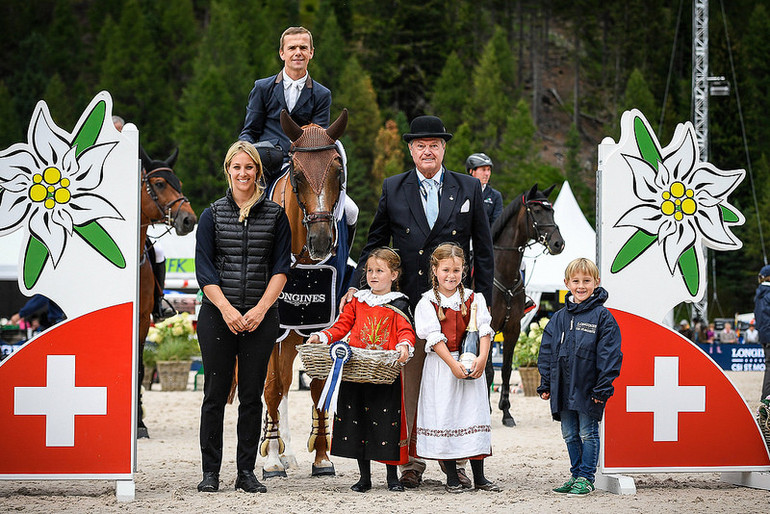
(678, 201)
(44, 188)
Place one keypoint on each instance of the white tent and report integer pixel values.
(545, 272)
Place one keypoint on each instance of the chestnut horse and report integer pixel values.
(309, 193)
(525, 221)
(162, 202)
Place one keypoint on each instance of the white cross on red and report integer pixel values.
(666, 399)
(60, 401)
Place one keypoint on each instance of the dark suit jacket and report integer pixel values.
(267, 99)
(493, 203)
(400, 217)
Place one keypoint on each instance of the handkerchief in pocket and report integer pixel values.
(466, 206)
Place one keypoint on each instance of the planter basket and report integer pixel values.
(174, 375)
(365, 366)
(530, 380)
(763, 420)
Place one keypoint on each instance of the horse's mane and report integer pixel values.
(502, 221)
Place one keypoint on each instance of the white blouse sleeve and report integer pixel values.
(427, 325)
(483, 316)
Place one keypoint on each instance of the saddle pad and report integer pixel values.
(308, 301)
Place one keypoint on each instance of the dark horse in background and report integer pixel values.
(526, 220)
(162, 202)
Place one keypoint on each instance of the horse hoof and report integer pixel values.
(272, 474)
(319, 471)
(509, 422)
(141, 433)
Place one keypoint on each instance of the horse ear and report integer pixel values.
(289, 126)
(337, 128)
(172, 158)
(146, 161)
(532, 191)
(548, 191)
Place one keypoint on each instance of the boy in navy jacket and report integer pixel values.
(579, 359)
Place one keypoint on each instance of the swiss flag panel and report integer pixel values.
(673, 407)
(52, 425)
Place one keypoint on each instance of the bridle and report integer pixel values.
(541, 237)
(509, 293)
(168, 213)
(308, 218)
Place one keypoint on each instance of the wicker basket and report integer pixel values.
(364, 366)
(530, 380)
(763, 420)
(173, 375)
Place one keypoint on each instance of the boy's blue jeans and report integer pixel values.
(581, 433)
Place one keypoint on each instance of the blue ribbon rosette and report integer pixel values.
(340, 353)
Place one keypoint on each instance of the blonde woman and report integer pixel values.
(242, 260)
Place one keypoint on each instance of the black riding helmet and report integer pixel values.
(477, 159)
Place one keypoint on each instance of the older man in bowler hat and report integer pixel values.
(418, 210)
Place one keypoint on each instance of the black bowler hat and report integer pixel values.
(423, 127)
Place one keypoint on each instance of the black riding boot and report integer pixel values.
(160, 311)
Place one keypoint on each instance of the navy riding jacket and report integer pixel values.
(762, 312)
(580, 356)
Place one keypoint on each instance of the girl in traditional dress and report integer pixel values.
(453, 420)
(370, 422)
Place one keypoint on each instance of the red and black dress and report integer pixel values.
(370, 422)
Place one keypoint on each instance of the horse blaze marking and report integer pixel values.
(666, 399)
(60, 401)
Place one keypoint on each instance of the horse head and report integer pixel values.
(540, 225)
(162, 198)
(317, 179)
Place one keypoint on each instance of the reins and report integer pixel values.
(509, 293)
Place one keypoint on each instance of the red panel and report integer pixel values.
(101, 342)
(724, 435)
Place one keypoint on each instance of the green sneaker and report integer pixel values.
(581, 487)
(565, 487)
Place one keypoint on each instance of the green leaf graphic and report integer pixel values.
(88, 133)
(633, 248)
(728, 215)
(35, 257)
(688, 265)
(102, 242)
(647, 146)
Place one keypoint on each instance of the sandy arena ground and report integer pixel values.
(528, 461)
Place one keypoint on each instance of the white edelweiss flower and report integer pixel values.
(46, 183)
(681, 201)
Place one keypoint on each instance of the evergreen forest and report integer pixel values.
(535, 84)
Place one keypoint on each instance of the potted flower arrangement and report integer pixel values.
(174, 345)
(525, 356)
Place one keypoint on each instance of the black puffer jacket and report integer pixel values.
(243, 249)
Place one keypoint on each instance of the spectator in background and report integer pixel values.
(727, 335)
(41, 308)
(479, 165)
(751, 336)
(710, 338)
(685, 330)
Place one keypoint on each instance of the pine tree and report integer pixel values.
(356, 93)
(329, 58)
(10, 129)
(576, 176)
(132, 73)
(179, 37)
(487, 109)
(388, 153)
(451, 92)
(60, 103)
(639, 96)
(212, 106)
